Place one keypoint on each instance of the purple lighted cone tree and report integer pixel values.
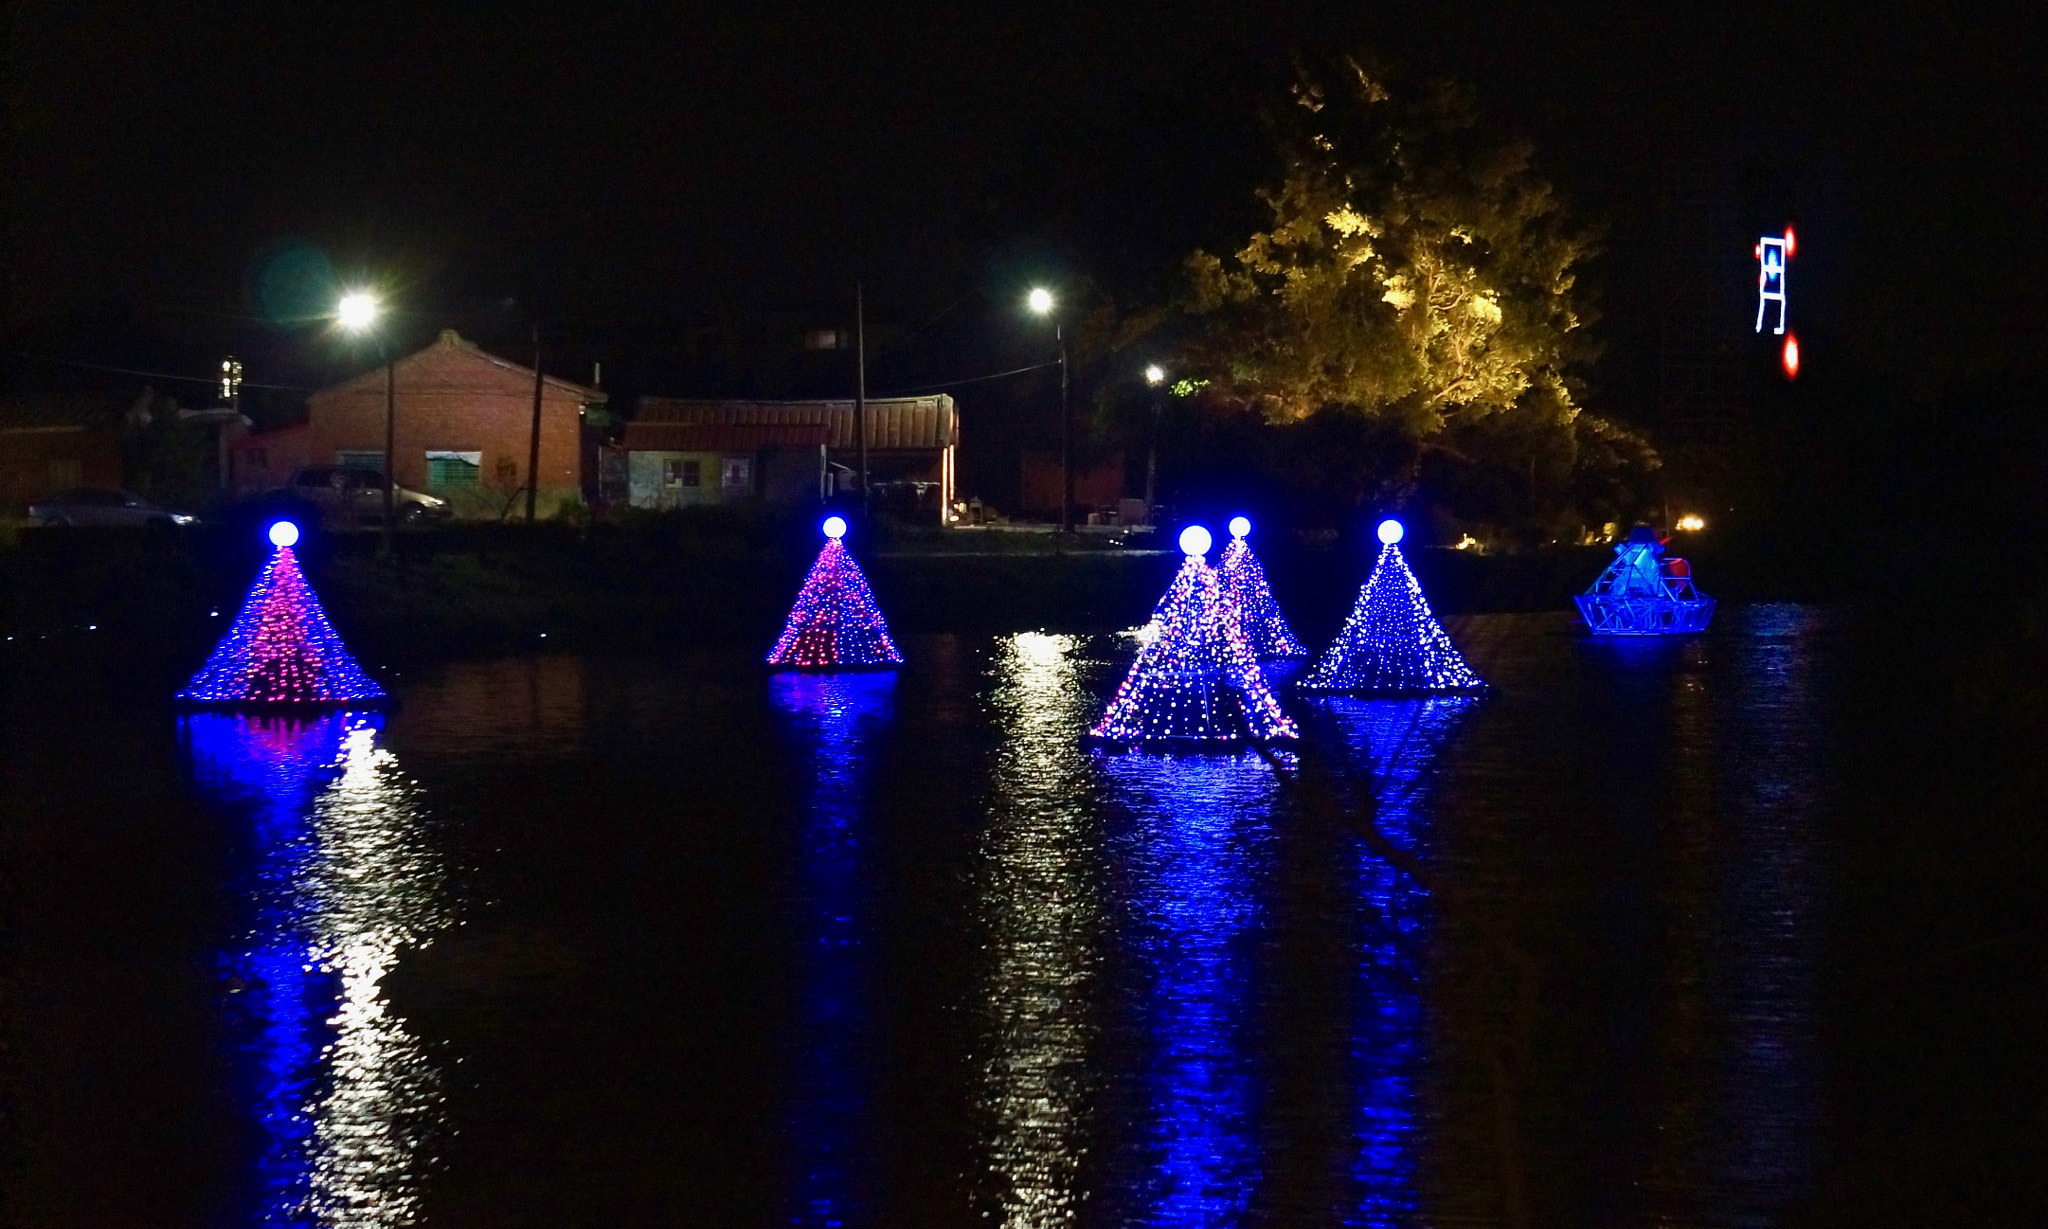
(1392, 643)
(1196, 681)
(835, 624)
(281, 649)
(1245, 580)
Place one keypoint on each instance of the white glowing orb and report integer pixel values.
(1240, 526)
(1194, 540)
(356, 312)
(1040, 300)
(834, 527)
(1391, 531)
(1155, 374)
(284, 533)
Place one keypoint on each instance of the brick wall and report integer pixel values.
(451, 397)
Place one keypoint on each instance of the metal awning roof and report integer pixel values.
(642, 436)
(907, 423)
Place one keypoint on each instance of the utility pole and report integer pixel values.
(1059, 329)
(390, 451)
(533, 441)
(860, 389)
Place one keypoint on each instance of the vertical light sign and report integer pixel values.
(1773, 255)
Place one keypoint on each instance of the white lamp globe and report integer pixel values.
(1390, 531)
(1240, 526)
(283, 534)
(834, 526)
(1194, 540)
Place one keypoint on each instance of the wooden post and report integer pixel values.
(390, 452)
(533, 442)
(860, 390)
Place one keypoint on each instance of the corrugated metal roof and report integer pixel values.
(715, 437)
(908, 423)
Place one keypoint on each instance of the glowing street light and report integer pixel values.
(1040, 302)
(1155, 375)
(1691, 523)
(357, 311)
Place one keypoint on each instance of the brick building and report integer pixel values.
(464, 419)
(680, 453)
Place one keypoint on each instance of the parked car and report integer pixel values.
(102, 508)
(345, 494)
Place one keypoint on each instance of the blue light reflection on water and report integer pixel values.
(339, 882)
(1391, 748)
(1194, 856)
(833, 720)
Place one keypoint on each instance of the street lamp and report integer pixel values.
(1155, 375)
(357, 313)
(1041, 303)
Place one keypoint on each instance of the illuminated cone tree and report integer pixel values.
(835, 624)
(1245, 580)
(281, 649)
(1392, 643)
(1196, 679)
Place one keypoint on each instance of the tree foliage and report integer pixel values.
(1411, 268)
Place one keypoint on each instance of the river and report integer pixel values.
(602, 941)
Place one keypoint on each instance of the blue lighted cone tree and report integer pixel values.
(835, 624)
(1196, 680)
(1244, 579)
(1391, 644)
(281, 650)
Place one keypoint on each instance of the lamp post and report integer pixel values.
(1041, 303)
(1155, 375)
(357, 313)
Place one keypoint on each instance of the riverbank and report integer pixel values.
(162, 598)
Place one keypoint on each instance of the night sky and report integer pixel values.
(170, 169)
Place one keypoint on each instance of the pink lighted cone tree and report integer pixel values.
(1197, 680)
(1264, 626)
(281, 650)
(835, 624)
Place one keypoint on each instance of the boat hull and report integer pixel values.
(1644, 615)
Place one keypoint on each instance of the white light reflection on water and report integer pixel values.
(1197, 826)
(1040, 857)
(344, 882)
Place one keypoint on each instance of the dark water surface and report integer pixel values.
(602, 942)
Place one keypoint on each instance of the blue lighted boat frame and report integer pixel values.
(1643, 594)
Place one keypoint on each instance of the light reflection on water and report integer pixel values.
(1192, 848)
(342, 882)
(1390, 749)
(833, 721)
(1040, 907)
(1769, 1090)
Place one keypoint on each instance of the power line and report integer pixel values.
(927, 388)
(152, 375)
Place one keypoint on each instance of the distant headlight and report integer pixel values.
(179, 518)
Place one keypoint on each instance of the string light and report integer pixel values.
(281, 649)
(1391, 643)
(1197, 680)
(835, 624)
(1643, 594)
(1244, 579)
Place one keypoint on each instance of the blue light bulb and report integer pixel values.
(1390, 531)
